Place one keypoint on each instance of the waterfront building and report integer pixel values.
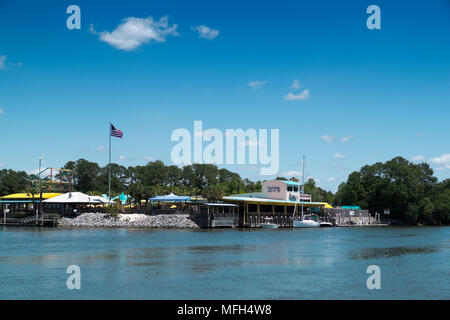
(24, 203)
(279, 200)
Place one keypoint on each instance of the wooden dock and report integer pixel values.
(46, 221)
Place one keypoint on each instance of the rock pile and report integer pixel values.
(100, 220)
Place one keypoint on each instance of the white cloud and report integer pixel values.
(133, 32)
(257, 84)
(292, 173)
(2, 164)
(443, 159)
(296, 85)
(101, 148)
(3, 62)
(327, 138)
(149, 158)
(4, 65)
(1, 111)
(418, 158)
(330, 179)
(317, 180)
(122, 158)
(338, 155)
(206, 32)
(301, 96)
(345, 139)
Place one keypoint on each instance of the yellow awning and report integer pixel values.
(28, 196)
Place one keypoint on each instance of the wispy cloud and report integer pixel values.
(317, 180)
(300, 96)
(338, 155)
(330, 179)
(292, 173)
(122, 158)
(418, 158)
(257, 84)
(1, 111)
(149, 158)
(101, 148)
(327, 138)
(2, 164)
(296, 84)
(206, 32)
(5, 65)
(3, 62)
(346, 139)
(133, 32)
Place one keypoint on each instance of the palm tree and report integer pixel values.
(137, 192)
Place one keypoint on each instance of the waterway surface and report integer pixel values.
(225, 264)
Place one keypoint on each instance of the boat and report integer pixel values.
(326, 225)
(304, 222)
(269, 224)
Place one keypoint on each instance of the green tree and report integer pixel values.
(137, 192)
(86, 174)
(407, 189)
(12, 182)
(213, 193)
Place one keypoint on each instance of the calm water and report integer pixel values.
(226, 264)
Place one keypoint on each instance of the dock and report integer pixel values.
(46, 221)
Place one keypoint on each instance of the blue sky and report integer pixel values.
(368, 95)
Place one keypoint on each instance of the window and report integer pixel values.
(295, 189)
(289, 189)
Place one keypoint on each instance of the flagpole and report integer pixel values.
(109, 166)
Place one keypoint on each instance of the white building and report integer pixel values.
(284, 190)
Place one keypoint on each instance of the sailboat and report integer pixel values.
(302, 222)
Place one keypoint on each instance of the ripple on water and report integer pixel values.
(389, 252)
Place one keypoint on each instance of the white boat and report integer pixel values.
(304, 222)
(326, 225)
(269, 224)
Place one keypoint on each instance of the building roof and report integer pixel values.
(220, 204)
(19, 201)
(73, 197)
(275, 201)
(28, 196)
(170, 198)
(291, 183)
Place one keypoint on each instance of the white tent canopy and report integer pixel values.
(100, 199)
(75, 197)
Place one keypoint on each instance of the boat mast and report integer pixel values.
(303, 183)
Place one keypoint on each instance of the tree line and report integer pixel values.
(409, 190)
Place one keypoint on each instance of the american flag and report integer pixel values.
(116, 133)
